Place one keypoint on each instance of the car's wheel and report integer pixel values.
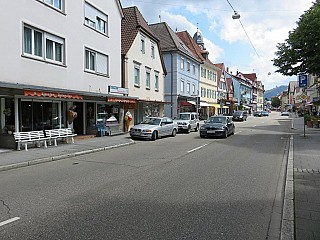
(154, 136)
(197, 128)
(225, 133)
(189, 129)
(174, 133)
(202, 135)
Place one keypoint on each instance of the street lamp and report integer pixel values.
(236, 15)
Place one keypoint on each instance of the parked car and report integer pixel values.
(217, 126)
(187, 121)
(264, 114)
(239, 116)
(257, 114)
(285, 113)
(154, 127)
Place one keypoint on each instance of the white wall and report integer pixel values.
(18, 69)
(135, 54)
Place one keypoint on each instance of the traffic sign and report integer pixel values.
(303, 96)
(303, 80)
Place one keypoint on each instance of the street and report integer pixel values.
(181, 187)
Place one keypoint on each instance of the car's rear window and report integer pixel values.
(237, 113)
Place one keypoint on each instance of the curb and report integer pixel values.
(60, 157)
(287, 226)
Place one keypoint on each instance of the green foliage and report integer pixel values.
(275, 102)
(307, 117)
(301, 51)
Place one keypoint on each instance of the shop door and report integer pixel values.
(78, 121)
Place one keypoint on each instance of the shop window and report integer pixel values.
(108, 114)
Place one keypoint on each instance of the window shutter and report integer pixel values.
(90, 12)
(102, 64)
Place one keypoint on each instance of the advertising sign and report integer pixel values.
(303, 80)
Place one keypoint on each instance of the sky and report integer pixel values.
(246, 45)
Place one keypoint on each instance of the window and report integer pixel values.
(193, 88)
(137, 75)
(188, 87)
(156, 81)
(58, 4)
(152, 51)
(95, 19)
(182, 63)
(148, 78)
(208, 93)
(203, 92)
(188, 66)
(214, 77)
(143, 44)
(194, 69)
(214, 94)
(43, 45)
(96, 62)
(182, 85)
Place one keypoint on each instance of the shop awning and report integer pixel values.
(215, 105)
(192, 102)
(204, 104)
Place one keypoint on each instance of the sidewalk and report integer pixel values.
(306, 163)
(10, 159)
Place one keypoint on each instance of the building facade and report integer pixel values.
(51, 77)
(143, 66)
(182, 80)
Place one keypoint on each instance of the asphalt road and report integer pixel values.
(173, 188)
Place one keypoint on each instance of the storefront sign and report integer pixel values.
(37, 93)
(120, 100)
(115, 89)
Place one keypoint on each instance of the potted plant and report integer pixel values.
(307, 119)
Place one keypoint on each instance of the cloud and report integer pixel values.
(266, 23)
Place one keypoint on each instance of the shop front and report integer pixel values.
(148, 109)
(26, 109)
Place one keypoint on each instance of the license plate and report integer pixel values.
(210, 131)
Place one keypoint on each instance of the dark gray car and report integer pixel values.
(220, 126)
(239, 116)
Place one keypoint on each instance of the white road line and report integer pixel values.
(9, 221)
(195, 149)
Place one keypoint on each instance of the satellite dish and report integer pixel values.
(235, 15)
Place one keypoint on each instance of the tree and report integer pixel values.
(300, 53)
(275, 102)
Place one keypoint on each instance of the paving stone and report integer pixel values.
(303, 214)
(307, 225)
(315, 216)
(304, 235)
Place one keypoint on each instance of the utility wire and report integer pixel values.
(245, 31)
(231, 6)
(249, 39)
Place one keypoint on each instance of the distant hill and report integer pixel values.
(275, 91)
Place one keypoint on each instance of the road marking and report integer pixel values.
(9, 221)
(195, 149)
(237, 132)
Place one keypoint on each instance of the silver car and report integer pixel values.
(188, 121)
(153, 128)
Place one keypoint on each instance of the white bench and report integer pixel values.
(31, 136)
(60, 133)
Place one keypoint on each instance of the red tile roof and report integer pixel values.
(132, 23)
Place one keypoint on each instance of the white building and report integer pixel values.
(56, 54)
(143, 66)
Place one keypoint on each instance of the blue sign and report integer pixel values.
(303, 80)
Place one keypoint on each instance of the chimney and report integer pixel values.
(227, 69)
